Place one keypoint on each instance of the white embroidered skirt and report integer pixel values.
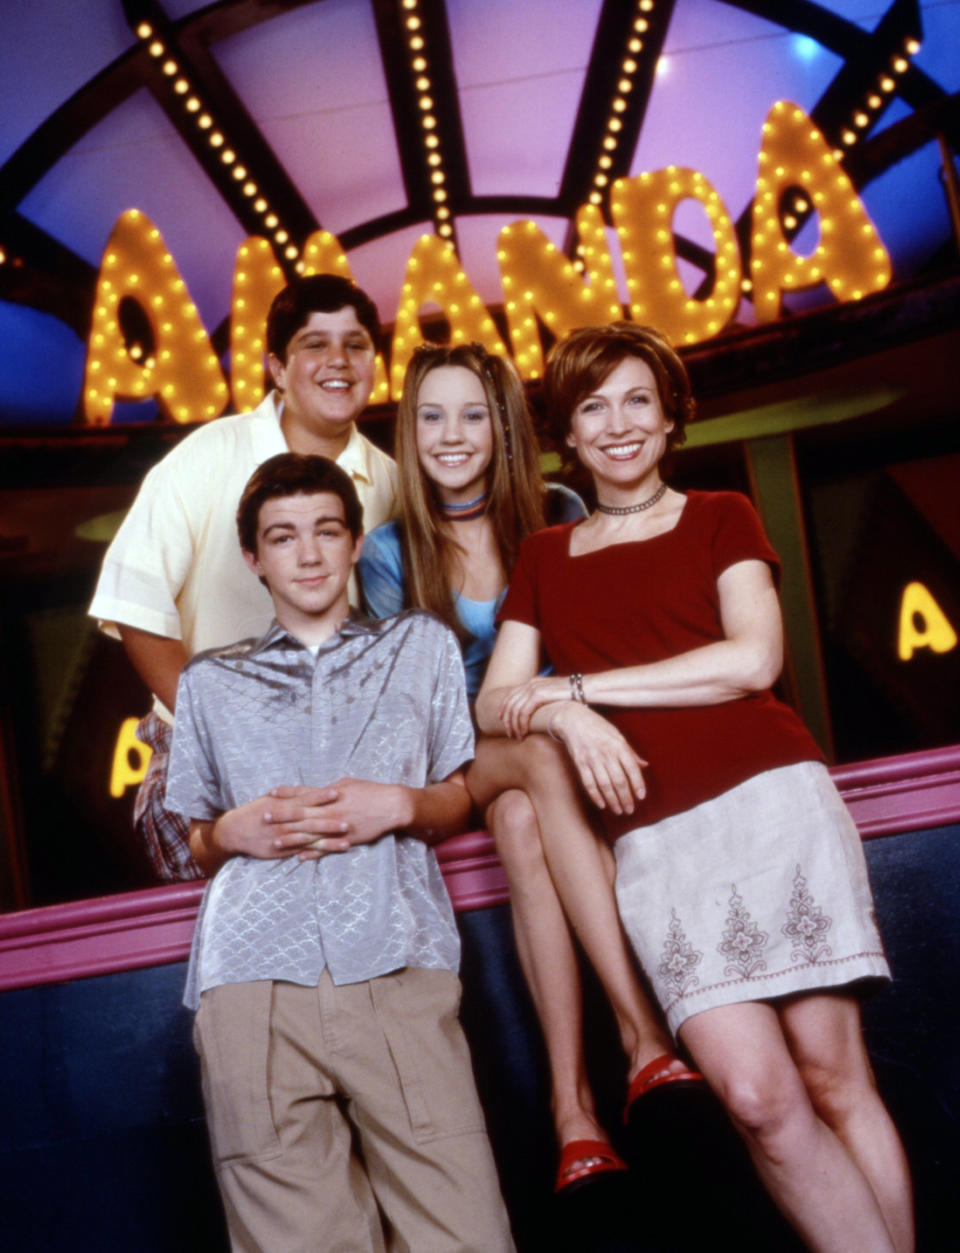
(755, 894)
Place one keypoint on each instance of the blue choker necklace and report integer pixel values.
(469, 509)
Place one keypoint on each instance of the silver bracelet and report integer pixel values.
(576, 689)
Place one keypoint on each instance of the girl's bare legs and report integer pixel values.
(580, 875)
(811, 1174)
(549, 963)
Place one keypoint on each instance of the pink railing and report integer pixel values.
(154, 927)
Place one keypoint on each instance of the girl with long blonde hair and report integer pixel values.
(470, 492)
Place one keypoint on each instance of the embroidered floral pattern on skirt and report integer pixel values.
(743, 941)
(756, 894)
(680, 961)
(806, 924)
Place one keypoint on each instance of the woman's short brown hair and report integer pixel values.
(579, 363)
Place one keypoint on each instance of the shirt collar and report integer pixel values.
(266, 433)
(355, 623)
(355, 458)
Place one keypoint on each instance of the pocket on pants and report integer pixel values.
(418, 1013)
(232, 1035)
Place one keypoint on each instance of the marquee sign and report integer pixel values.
(147, 339)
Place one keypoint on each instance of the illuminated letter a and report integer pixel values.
(123, 773)
(147, 338)
(936, 633)
(799, 172)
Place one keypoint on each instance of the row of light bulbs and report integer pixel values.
(433, 155)
(420, 69)
(215, 137)
(629, 66)
(887, 84)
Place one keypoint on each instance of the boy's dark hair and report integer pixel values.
(295, 474)
(316, 293)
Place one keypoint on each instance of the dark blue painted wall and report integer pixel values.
(103, 1144)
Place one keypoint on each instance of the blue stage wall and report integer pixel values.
(103, 1143)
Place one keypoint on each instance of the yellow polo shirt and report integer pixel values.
(174, 568)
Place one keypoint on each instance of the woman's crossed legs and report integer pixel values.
(558, 869)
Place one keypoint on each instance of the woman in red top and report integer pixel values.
(740, 876)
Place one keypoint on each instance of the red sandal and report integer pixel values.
(580, 1150)
(651, 1076)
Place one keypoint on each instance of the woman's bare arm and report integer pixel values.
(607, 766)
(514, 660)
(747, 660)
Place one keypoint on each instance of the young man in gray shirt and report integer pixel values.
(317, 765)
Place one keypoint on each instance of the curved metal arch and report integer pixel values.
(119, 80)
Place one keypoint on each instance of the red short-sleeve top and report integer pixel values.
(640, 602)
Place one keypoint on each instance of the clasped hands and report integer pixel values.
(310, 822)
(609, 769)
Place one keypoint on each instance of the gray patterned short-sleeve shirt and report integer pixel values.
(383, 701)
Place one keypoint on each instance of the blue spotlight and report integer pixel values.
(805, 47)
